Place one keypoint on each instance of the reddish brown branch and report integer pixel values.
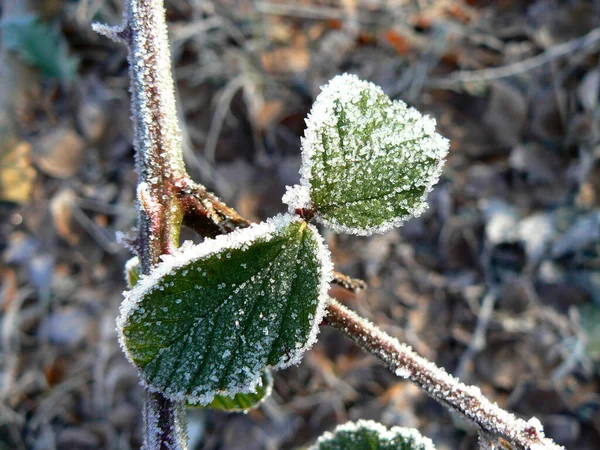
(208, 216)
(205, 213)
(493, 422)
(159, 163)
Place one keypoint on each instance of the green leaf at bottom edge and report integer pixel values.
(369, 435)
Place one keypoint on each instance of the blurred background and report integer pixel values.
(499, 281)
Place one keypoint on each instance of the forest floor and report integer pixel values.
(498, 282)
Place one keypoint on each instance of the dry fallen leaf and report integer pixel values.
(291, 59)
(61, 207)
(60, 152)
(506, 113)
(268, 114)
(16, 173)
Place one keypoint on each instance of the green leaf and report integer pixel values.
(211, 318)
(238, 402)
(590, 323)
(369, 435)
(368, 163)
(132, 271)
(242, 402)
(41, 45)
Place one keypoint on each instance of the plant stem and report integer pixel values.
(160, 167)
(493, 422)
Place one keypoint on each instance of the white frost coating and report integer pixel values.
(297, 196)
(402, 372)
(132, 264)
(321, 125)
(535, 423)
(189, 252)
(383, 433)
(157, 136)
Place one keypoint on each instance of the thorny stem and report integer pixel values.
(159, 163)
(167, 198)
(494, 423)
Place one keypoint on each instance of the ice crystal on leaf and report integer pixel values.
(369, 435)
(368, 162)
(242, 402)
(210, 319)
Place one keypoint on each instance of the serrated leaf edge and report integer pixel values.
(190, 252)
(299, 196)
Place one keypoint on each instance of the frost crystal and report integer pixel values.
(367, 434)
(368, 163)
(243, 402)
(195, 327)
(297, 196)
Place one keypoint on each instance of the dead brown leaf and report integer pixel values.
(290, 59)
(16, 173)
(60, 152)
(61, 208)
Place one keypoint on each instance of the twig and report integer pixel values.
(210, 147)
(159, 162)
(478, 341)
(349, 283)
(493, 422)
(457, 79)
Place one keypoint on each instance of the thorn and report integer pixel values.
(117, 34)
(129, 240)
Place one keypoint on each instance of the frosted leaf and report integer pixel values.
(369, 435)
(242, 402)
(368, 163)
(211, 318)
(239, 402)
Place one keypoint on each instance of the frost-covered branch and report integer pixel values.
(159, 163)
(157, 135)
(208, 216)
(495, 424)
